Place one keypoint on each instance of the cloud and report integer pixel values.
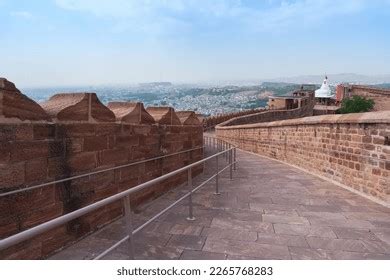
(289, 14)
(271, 15)
(22, 14)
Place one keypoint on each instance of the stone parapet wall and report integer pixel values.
(274, 115)
(51, 141)
(353, 149)
(212, 121)
(381, 96)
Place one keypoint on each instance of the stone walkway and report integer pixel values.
(268, 211)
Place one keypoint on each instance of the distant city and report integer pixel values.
(204, 99)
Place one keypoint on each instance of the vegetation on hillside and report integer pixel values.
(356, 104)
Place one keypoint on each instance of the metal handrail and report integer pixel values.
(95, 172)
(125, 195)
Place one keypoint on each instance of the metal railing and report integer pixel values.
(96, 172)
(222, 148)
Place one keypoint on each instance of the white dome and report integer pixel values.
(324, 91)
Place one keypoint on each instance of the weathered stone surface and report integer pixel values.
(250, 249)
(225, 233)
(235, 233)
(348, 149)
(131, 112)
(188, 118)
(201, 255)
(304, 230)
(281, 239)
(191, 242)
(186, 229)
(200, 118)
(164, 115)
(77, 107)
(14, 104)
(34, 153)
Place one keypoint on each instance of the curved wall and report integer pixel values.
(353, 149)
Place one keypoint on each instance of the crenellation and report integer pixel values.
(164, 115)
(130, 112)
(76, 134)
(16, 107)
(188, 118)
(77, 107)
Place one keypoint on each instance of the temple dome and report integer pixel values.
(324, 91)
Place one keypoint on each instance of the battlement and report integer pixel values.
(74, 134)
(212, 121)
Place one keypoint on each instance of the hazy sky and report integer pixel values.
(84, 42)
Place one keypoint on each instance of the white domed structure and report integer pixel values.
(324, 91)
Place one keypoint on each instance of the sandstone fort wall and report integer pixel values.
(379, 95)
(352, 150)
(74, 134)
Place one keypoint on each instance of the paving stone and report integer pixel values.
(266, 206)
(299, 253)
(85, 249)
(242, 225)
(201, 255)
(225, 233)
(250, 249)
(240, 257)
(337, 244)
(150, 252)
(281, 239)
(344, 255)
(242, 215)
(316, 231)
(353, 233)
(281, 212)
(186, 229)
(245, 223)
(187, 242)
(383, 234)
(340, 222)
(292, 220)
(376, 246)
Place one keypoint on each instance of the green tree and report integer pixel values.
(356, 104)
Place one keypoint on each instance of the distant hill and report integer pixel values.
(156, 84)
(385, 85)
(335, 79)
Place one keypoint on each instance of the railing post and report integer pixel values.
(226, 154)
(234, 158)
(217, 178)
(129, 226)
(231, 163)
(190, 206)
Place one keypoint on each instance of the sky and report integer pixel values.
(97, 42)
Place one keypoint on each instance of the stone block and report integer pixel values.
(81, 162)
(164, 115)
(36, 170)
(38, 216)
(12, 175)
(77, 107)
(95, 143)
(113, 157)
(14, 104)
(16, 132)
(130, 112)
